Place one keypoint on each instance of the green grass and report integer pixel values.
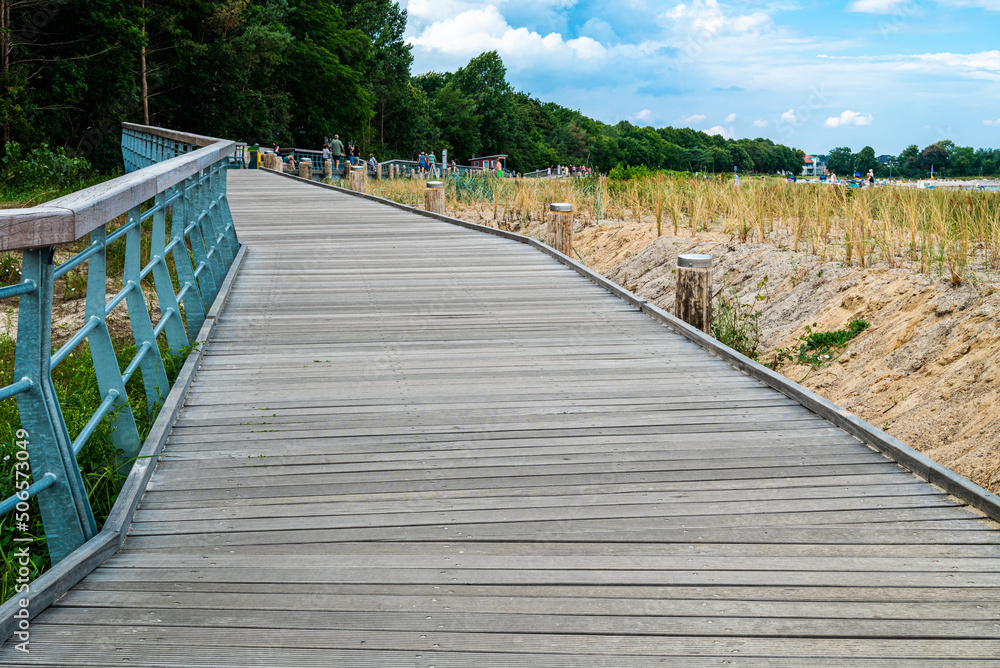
(79, 396)
(817, 349)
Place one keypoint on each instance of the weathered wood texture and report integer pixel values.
(358, 179)
(434, 199)
(693, 297)
(412, 444)
(305, 168)
(559, 231)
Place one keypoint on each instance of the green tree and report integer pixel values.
(937, 157)
(324, 75)
(908, 162)
(484, 80)
(865, 160)
(387, 67)
(963, 161)
(841, 161)
(455, 115)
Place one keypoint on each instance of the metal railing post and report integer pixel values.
(173, 327)
(194, 306)
(154, 376)
(229, 227)
(203, 267)
(208, 230)
(102, 352)
(65, 509)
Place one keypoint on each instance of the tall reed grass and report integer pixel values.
(929, 230)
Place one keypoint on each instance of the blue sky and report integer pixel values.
(809, 74)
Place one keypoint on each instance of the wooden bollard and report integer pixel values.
(328, 169)
(693, 300)
(434, 197)
(358, 179)
(559, 231)
(271, 161)
(306, 168)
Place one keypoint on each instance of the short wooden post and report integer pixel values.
(306, 168)
(328, 169)
(434, 197)
(358, 179)
(693, 300)
(559, 230)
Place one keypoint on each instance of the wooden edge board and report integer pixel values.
(937, 474)
(78, 564)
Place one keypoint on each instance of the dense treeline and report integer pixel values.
(295, 72)
(943, 157)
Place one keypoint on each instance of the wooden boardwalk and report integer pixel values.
(412, 444)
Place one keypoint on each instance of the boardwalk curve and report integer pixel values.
(412, 444)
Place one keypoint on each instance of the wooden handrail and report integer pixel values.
(68, 218)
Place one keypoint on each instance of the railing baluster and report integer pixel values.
(176, 336)
(208, 229)
(65, 509)
(194, 305)
(154, 376)
(125, 435)
(203, 267)
(227, 216)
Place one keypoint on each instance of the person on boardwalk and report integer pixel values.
(372, 163)
(337, 149)
(421, 163)
(871, 179)
(430, 162)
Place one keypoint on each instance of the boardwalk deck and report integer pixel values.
(412, 444)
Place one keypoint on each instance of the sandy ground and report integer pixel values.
(925, 371)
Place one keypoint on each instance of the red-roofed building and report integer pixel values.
(813, 167)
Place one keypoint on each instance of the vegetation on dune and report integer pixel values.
(931, 230)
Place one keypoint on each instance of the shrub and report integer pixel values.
(40, 167)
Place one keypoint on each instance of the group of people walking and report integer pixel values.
(335, 151)
(426, 163)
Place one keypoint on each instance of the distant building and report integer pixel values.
(813, 166)
(488, 161)
(884, 159)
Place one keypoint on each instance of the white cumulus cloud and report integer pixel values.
(848, 117)
(789, 117)
(706, 19)
(474, 31)
(877, 6)
(760, 123)
(645, 116)
(694, 118)
(989, 122)
(730, 118)
(726, 133)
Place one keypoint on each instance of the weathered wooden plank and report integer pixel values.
(413, 444)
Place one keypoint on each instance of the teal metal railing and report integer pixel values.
(171, 175)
